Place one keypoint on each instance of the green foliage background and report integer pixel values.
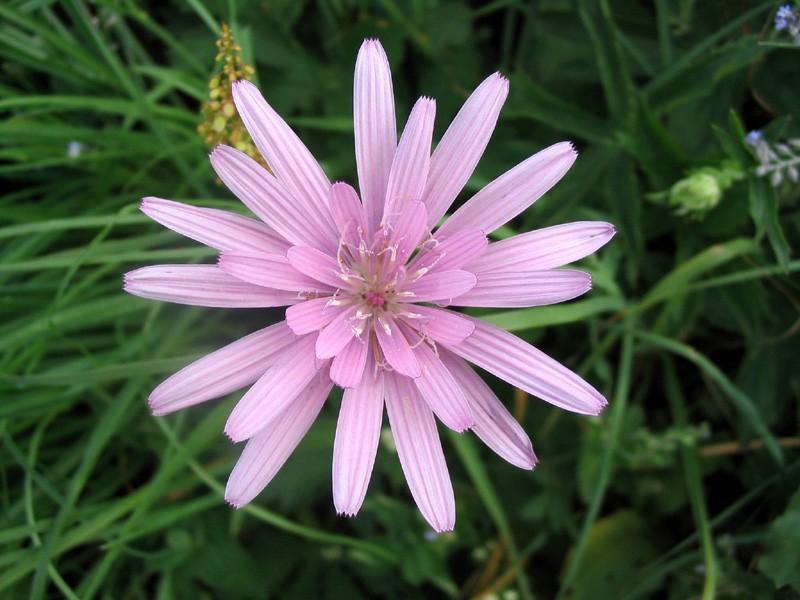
(687, 485)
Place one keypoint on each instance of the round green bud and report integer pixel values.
(696, 193)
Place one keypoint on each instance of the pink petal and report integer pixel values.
(420, 452)
(348, 367)
(443, 326)
(267, 451)
(224, 371)
(462, 145)
(520, 364)
(412, 159)
(514, 191)
(218, 229)
(442, 392)
(533, 288)
(202, 285)
(407, 229)
(274, 391)
(337, 334)
(287, 156)
(546, 248)
(395, 347)
(270, 270)
(270, 200)
(455, 251)
(311, 315)
(357, 434)
(317, 265)
(494, 425)
(439, 286)
(374, 126)
(348, 214)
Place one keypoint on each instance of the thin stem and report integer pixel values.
(615, 420)
(694, 482)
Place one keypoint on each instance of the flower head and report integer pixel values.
(366, 279)
(785, 17)
(754, 137)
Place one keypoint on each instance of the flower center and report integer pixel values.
(374, 298)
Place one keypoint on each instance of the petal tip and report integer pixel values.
(499, 77)
(463, 424)
(146, 204)
(155, 403)
(346, 511)
(446, 527)
(530, 460)
(216, 151)
(242, 84)
(573, 151)
(371, 43)
(233, 435)
(602, 405)
(128, 280)
(233, 501)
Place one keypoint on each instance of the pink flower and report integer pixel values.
(365, 281)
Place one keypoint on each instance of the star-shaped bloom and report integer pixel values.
(366, 279)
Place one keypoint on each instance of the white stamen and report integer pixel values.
(419, 273)
(386, 328)
(411, 315)
(334, 300)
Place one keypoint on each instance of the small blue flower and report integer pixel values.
(785, 17)
(754, 137)
(75, 149)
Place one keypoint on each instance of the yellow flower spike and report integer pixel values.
(221, 124)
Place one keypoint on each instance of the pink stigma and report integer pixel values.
(374, 299)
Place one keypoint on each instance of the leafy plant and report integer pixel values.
(680, 489)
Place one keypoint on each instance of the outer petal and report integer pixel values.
(202, 285)
(494, 425)
(348, 367)
(533, 288)
(462, 145)
(218, 229)
(420, 452)
(267, 451)
(270, 270)
(293, 164)
(357, 433)
(443, 326)
(513, 192)
(457, 250)
(439, 286)
(317, 265)
(442, 392)
(520, 364)
(412, 159)
(226, 370)
(270, 200)
(311, 315)
(395, 347)
(375, 127)
(274, 391)
(546, 248)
